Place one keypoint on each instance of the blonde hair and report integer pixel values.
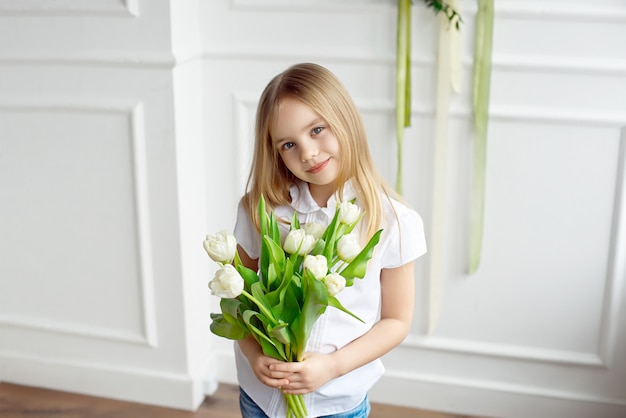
(321, 90)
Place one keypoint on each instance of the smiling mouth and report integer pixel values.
(318, 167)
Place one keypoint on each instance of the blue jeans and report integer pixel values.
(249, 409)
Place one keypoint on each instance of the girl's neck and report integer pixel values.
(321, 193)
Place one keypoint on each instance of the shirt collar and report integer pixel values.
(303, 202)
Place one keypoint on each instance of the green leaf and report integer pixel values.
(264, 224)
(334, 302)
(221, 327)
(358, 266)
(319, 246)
(290, 305)
(272, 276)
(281, 333)
(275, 297)
(249, 276)
(274, 232)
(231, 309)
(295, 222)
(259, 294)
(315, 303)
(268, 346)
(330, 236)
(276, 253)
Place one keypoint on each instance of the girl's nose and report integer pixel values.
(308, 151)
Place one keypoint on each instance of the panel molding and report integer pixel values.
(37, 323)
(130, 59)
(535, 10)
(518, 389)
(564, 11)
(517, 352)
(289, 6)
(149, 386)
(560, 65)
(501, 62)
(129, 8)
(616, 263)
(134, 112)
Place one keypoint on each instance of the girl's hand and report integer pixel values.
(305, 376)
(261, 364)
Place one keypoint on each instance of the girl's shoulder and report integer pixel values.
(403, 231)
(397, 212)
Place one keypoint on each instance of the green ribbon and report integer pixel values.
(403, 81)
(482, 80)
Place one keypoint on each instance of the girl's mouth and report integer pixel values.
(318, 167)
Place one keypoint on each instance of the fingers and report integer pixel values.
(267, 376)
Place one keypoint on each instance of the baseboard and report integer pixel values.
(490, 399)
(172, 390)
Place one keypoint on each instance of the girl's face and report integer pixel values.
(307, 147)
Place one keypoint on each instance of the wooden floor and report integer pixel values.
(22, 401)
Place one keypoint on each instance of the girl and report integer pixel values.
(311, 153)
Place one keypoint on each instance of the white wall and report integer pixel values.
(539, 329)
(125, 136)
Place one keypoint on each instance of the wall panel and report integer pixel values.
(538, 330)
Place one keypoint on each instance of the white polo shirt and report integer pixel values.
(402, 241)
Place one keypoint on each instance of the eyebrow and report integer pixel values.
(314, 122)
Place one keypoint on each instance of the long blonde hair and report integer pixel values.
(321, 90)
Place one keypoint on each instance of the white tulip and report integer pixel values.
(221, 247)
(348, 247)
(299, 242)
(349, 213)
(227, 282)
(335, 283)
(315, 229)
(317, 265)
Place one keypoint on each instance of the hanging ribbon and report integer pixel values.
(482, 81)
(403, 82)
(448, 80)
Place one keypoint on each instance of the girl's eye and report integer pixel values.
(317, 130)
(287, 145)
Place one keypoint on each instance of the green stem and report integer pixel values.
(295, 406)
(262, 307)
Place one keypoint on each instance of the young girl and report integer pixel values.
(311, 153)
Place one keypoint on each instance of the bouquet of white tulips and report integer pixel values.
(296, 281)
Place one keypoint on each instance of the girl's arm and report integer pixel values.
(259, 362)
(398, 294)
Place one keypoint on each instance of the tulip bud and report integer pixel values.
(349, 213)
(348, 247)
(227, 282)
(317, 265)
(298, 242)
(315, 229)
(221, 247)
(335, 283)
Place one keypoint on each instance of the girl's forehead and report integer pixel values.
(292, 115)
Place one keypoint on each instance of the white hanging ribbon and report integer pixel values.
(448, 79)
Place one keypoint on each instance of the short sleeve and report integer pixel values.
(406, 239)
(246, 234)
